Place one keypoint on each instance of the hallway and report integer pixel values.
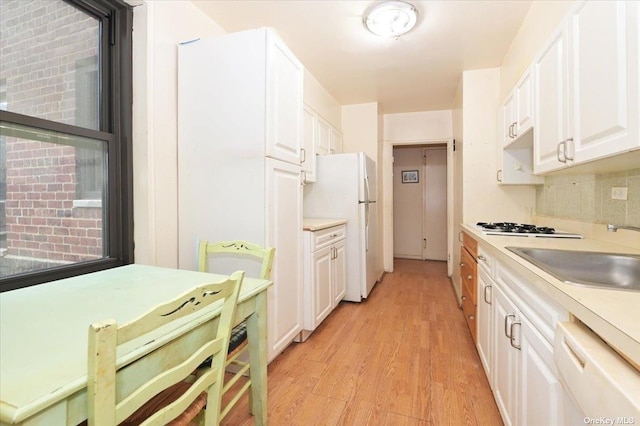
(402, 357)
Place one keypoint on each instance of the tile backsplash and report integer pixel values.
(588, 197)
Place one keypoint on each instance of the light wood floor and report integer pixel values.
(402, 357)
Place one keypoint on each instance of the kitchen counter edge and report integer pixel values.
(318, 223)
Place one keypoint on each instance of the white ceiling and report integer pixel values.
(419, 71)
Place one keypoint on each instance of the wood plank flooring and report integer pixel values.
(402, 357)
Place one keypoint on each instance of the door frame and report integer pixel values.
(387, 194)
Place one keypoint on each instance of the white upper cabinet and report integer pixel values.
(586, 87)
(284, 101)
(604, 78)
(324, 138)
(517, 110)
(335, 146)
(309, 142)
(550, 70)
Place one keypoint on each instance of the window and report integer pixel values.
(65, 131)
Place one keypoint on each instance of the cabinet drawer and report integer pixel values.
(468, 273)
(325, 237)
(469, 311)
(470, 244)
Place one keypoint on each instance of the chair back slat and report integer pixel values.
(240, 247)
(104, 367)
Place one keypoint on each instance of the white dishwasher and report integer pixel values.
(603, 386)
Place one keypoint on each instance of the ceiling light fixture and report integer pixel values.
(390, 18)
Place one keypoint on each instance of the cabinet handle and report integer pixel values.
(506, 320)
(469, 277)
(484, 296)
(464, 298)
(566, 144)
(471, 317)
(333, 235)
(303, 153)
(499, 175)
(461, 265)
(515, 129)
(460, 236)
(481, 257)
(511, 131)
(564, 159)
(424, 243)
(512, 338)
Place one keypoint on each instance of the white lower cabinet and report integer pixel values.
(516, 326)
(324, 275)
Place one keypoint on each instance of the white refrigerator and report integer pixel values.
(346, 188)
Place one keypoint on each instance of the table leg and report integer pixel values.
(257, 336)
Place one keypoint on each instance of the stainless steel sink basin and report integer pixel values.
(605, 270)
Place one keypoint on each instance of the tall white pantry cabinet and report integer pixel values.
(239, 160)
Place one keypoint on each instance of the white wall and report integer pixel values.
(318, 99)
(541, 20)
(483, 198)
(158, 27)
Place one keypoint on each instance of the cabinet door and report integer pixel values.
(336, 142)
(484, 321)
(604, 73)
(540, 392)
(508, 118)
(284, 102)
(322, 282)
(523, 105)
(339, 272)
(551, 105)
(310, 133)
(505, 357)
(324, 138)
(284, 232)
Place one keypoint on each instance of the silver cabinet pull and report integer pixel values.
(481, 257)
(461, 265)
(484, 296)
(469, 277)
(506, 320)
(515, 129)
(558, 151)
(499, 175)
(464, 298)
(566, 144)
(512, 338)
(459, 236)
(471, 317)
(303, 153)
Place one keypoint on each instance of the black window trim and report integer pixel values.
(116, 17)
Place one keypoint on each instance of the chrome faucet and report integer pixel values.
(613, 228)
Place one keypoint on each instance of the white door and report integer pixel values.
(309, 136)
(435, 204)
(284, 232)
(339, 272)
(604, 67)
(485, 322)
(322, 278)
(551, 91)
(541, 394)
(505, 357)
(284, 99)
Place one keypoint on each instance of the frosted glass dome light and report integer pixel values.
(391, 18)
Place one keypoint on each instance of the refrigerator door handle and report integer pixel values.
(366, 188)
(366, 226)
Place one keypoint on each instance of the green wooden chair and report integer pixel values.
(238, 344)
(159, 392)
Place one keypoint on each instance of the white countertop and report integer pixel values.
(612, 314)
(318, 223)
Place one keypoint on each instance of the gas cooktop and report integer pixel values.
(523, 230)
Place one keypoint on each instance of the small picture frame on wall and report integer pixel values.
(410, 176)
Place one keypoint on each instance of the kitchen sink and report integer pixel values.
(585, 268)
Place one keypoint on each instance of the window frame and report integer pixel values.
(116, 18)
